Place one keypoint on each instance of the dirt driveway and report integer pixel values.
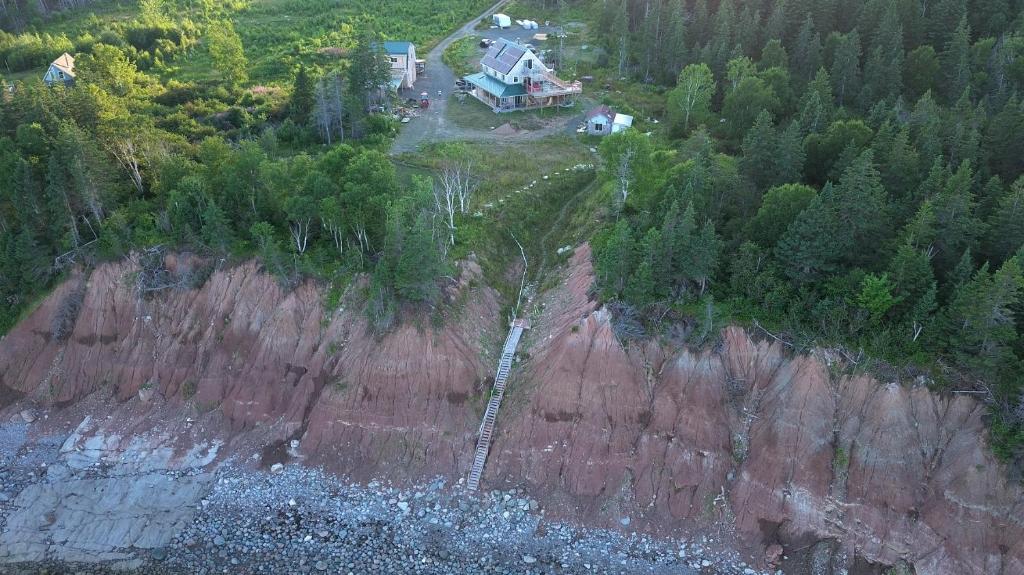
(432, 125)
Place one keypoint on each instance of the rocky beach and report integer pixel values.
(65, 513)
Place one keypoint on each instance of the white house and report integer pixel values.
(61, 71)
(513, 77)
(599, 121)
(403, 64)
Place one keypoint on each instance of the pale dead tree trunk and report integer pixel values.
(458, 175)
(624, 175)
(337, 236)
(76, 237)
(468, 185)
(300, 234)
(88, 187)
(128, 154)
(622, 56)
(364, 240)
(445, 194)
(338, 106)
(918, 328)
(322, 111)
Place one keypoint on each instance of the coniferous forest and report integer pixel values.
(837, 174)
(842, 173)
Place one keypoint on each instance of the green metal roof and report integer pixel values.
(392, 47)
(494, 86)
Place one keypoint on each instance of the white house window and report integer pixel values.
(61, 74)
(394, 60)
(598, 127)
(515, 80)
(529, 64)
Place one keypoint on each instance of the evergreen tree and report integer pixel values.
(921, 72)
(674, 48)
(914, 284)
(956, 222)
(1004, 140)
(790, 155)
(616, 260)
(812, 244)
(807, 54)
(1006, 235)
(926, 126)
(817, 104)
(773, 55)
(957, 61)
(216, 229)
(703, 257)
(883, 74)
(640, 291)
(898, 164)
(981, 316)
(368, 73)
(876, 297)
(845, 71)
(302, 101)
(419, 265)
(760, 147)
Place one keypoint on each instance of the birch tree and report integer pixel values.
(329, 108)
(454, 186)
(690, 100)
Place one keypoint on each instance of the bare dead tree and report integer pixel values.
(300, 233)
(128, 154)
(329, 108)
(445, 201)
(624, 176)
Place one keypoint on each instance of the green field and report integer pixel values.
(276, 34)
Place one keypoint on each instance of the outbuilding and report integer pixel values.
(599, 121)
(501, 21)
(621, 122)
(61, 71)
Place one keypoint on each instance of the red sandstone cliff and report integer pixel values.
(783, 448)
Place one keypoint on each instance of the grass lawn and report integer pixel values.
(463, 55)
(474, 114)
(505, 205)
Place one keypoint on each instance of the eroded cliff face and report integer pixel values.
(742, 438)
(248, 361)
(788, 449)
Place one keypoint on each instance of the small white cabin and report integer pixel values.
(599, 121)
(61, 71)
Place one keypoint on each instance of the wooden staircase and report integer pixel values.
(483, 442)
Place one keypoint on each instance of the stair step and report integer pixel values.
(486, 431)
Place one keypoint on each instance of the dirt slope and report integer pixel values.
(741, 438)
